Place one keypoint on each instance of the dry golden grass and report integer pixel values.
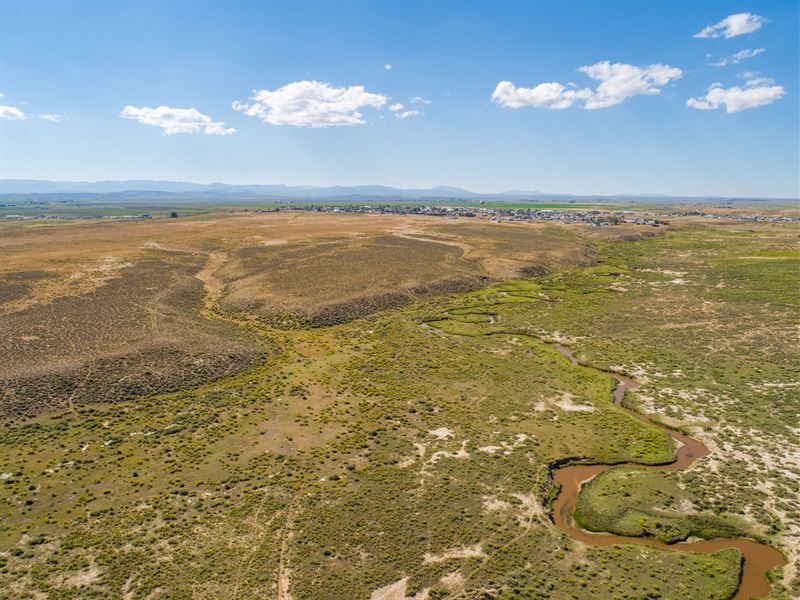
(105, 311)
(295, 262)
(332, 281)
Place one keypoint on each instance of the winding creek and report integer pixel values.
(758, 558)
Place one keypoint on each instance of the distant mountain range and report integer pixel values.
(153, 190)
(138, 186)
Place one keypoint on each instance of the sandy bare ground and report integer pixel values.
(284, 573)
(397, 591)
(211, 283)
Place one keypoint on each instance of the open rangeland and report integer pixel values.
(296, 405)
(112, 311)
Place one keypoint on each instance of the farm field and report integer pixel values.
(300, 405)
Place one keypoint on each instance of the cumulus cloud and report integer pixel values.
(735, 59)
(11, 112)
(756, 92)
(545, 95)
(733, 25)
(53, 118)
(388, 67)
(618, 82)
(753, 78)
(311, 104)
(408, 113)
(419, 100)
(176, 120)
(401, 113)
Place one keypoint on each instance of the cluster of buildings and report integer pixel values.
(111, 217)
(386, 209)
(594, 217)
(586, 217)
(126, 217)
(28, 217)
(743, 217)
(726, 215)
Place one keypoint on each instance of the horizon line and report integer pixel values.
(512, 192)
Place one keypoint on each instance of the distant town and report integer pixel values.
(62, 217)
(594, 217)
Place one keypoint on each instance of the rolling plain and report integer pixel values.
(301, 405)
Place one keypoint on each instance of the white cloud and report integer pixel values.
(544, 95)
(419, 100)
(218, 128)
(176, 120)
(311, 104)
(12, 113)
(733, 25)
(735, 59)
(400, 112)
(757, 92)
(754, 78)
(53, 118)
(409, 113)
(759, 81)
(388, 67)
(618, 82)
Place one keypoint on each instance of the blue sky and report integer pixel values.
(316, 104)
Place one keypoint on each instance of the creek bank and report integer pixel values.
(758, 558)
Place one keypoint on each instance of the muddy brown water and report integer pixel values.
(758, 558)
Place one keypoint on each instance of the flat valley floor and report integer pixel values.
(311, 406)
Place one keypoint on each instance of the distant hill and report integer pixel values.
(153, 190)
(34, 186)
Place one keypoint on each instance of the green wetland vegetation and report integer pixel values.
(407, 452)
(638, 503)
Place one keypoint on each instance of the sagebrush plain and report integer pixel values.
(300, 405)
